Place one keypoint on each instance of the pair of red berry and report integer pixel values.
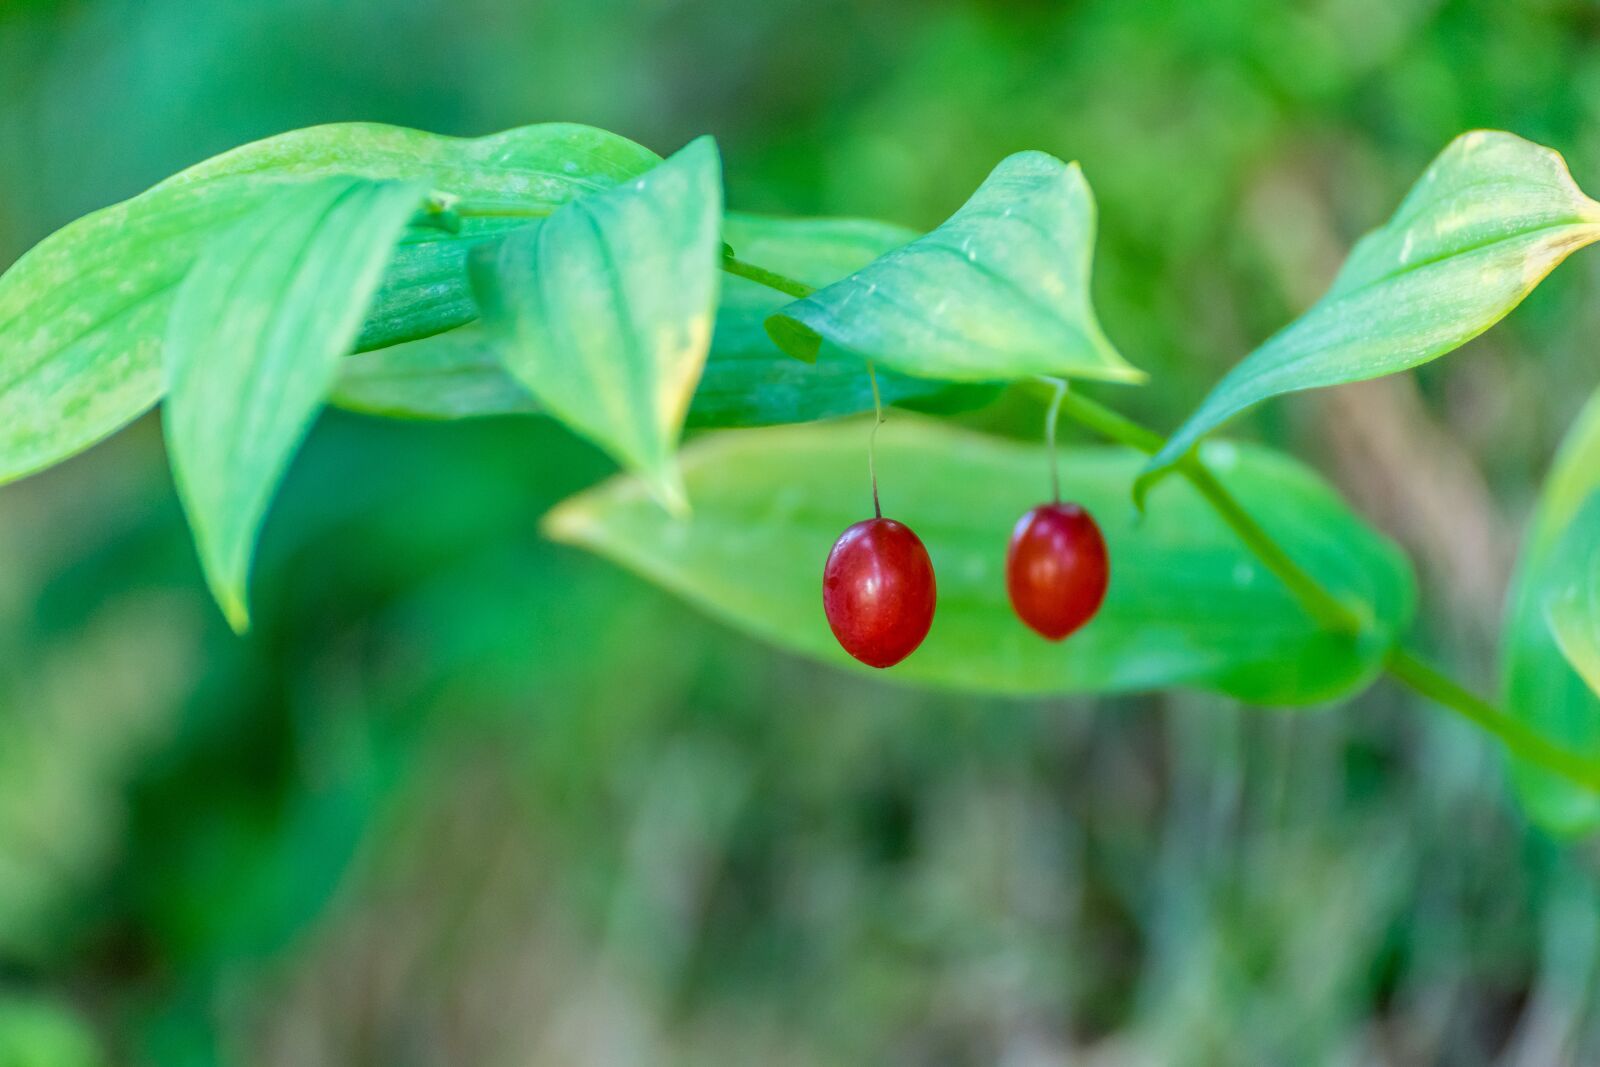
(878, 589)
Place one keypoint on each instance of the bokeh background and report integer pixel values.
(464, 797)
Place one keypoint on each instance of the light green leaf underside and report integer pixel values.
(82, 315)
(1000, 291)
(257, 332)
(605, 309)
(1539, 683)
(1188, 606)
(747, 380)
(1487, 221)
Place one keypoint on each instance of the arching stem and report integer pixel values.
(872, 438)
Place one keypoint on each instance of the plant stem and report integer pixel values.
(1111, 424)
(768, 278)
(1328, 610)
(1518, 738)
(496, 209)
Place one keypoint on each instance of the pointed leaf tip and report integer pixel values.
(604, 311)
(1490, 217)
(999, 291)
(253, 345)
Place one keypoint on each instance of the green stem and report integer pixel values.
(1328, 610)
(497, 209)
(768, 278)
(1111, 424)
(1518, 738)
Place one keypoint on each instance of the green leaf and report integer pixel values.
(748, 381)
(1547, 611)
(83, 315)
(454, 375)
(1188, 606)
(606, 309)
(1572, 601)
(257, 332)
(1488, 220)
(426, 290)
(1000, 291)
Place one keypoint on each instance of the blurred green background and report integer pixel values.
(464, 797)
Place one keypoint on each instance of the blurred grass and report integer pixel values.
(466, 797)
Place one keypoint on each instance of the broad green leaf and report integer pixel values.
(1188, 606)
(605, 309)
(1000, 291)
(256, 335)
(747, 381)
(83, 315)
(1539, 682)
(1488, 220)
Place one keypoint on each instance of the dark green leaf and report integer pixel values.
(1188, 606)
(999, 291)
(257, 332)
(1488, 220)
(82, 316)
(605, 309)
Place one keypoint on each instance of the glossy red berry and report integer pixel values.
(878, 591)
(1056, 569)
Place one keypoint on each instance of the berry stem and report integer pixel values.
(872, 438)
(1050, 437)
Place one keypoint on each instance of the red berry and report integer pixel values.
(878, 591)
(1056, 569)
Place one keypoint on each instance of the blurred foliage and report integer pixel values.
(37, 1033)
(466, 797)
